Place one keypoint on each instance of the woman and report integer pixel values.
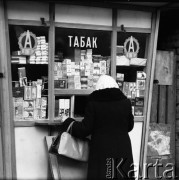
(108, 119)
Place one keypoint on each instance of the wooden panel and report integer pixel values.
(1, 158)
(31, 157)
(177, 68)
(164, 67)
(83, 26)
(135, 19)
(171, 107)
(26, 22)
(177, 83)
(51, 97)
(149, 84)
(113, 43)
(162, 105)
(83, 15)
(27, 11)
(9, 163)
(177, 96)
(154, 108)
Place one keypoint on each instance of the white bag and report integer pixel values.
(72, 147)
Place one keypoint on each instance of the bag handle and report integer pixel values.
(70, 126)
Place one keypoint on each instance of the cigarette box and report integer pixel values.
(140, 84)
(27, 92)
(141, 75)
(120, 77)
(28, 114)
(43, 102)
(28, 105)
(18, 108)
(138, 111)
(139, 101)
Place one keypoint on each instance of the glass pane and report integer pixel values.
(29, 68)
(130, 68)
(81, 57)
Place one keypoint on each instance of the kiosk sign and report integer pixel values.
(27, 43)
(131, 47)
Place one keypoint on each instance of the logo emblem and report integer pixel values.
(131, 47)
(27, 43)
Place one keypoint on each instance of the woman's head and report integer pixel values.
(106, 81)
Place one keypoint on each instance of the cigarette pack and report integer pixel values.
(140, 93)
(38, 102)
(37, 114)
(126, 88)
(138, 111)
(18, 108)
(77, 85)
(120, 77)
(140, 84)
(39, 90)
(67, 107)
(22, 72)
(28, 114)
(34, 92)
(139, 101)
(141, 75)
(43, 102)
(61, 107)
(28, 105)
(27, 92)
(43, 113)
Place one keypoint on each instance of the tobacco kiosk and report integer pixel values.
(55, 55)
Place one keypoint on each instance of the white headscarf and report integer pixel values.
(106, 81)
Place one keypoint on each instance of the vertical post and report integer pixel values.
(113, 43)
(150, 72)
(72, 106)
(7, 125)
(51, 97)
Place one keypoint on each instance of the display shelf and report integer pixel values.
(26, 64)
(27, 123)
(81, 92)
(136, 118)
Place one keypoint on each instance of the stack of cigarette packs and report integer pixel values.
(30, 105)
(134, 91)
(39, 57)
(82, 72)
(41, 52)
(62, 108)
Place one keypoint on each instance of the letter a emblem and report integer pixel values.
(131, 45)
(28, 40)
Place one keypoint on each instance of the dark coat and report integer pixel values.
(108, 118)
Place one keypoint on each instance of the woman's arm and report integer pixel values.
(85, 127)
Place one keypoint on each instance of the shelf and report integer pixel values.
(138, 118)
(30, 123)
(26, 64)
(68, 92)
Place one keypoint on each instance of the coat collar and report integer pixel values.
(108, 94)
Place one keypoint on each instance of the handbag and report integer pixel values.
(67, 145)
